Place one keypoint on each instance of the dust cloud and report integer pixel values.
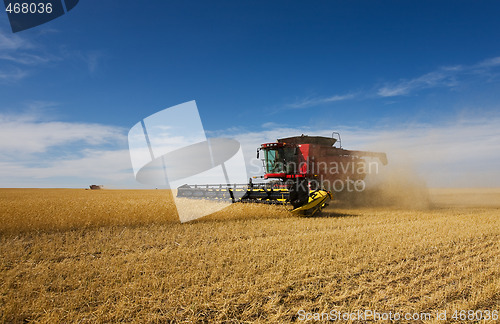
(458, 153)
(394, 186)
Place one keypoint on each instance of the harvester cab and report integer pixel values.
(280, 159)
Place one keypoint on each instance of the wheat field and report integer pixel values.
(74, 255)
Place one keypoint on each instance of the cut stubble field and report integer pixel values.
(73, 255)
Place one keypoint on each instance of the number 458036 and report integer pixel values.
(27, 8)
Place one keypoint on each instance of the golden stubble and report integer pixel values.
(122, 255)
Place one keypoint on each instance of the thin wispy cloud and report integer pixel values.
(25, 58)
(444, 77)
(9, 46)
(316, 101)
(493, 62)
(20, 56)
(17, 53)
(12, 42)
(92, 59)
(12, 75)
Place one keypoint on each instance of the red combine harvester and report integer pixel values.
(302, 171)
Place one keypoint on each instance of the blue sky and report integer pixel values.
(72, 88)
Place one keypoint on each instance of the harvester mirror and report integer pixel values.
(296, 151)
(258, 150)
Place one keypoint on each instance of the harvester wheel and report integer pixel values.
(299, 194)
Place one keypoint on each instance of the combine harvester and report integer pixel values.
(301, 171)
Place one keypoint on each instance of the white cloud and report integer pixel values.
(26, 134)
(41, 153)
(464, 152)
(108, 167)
